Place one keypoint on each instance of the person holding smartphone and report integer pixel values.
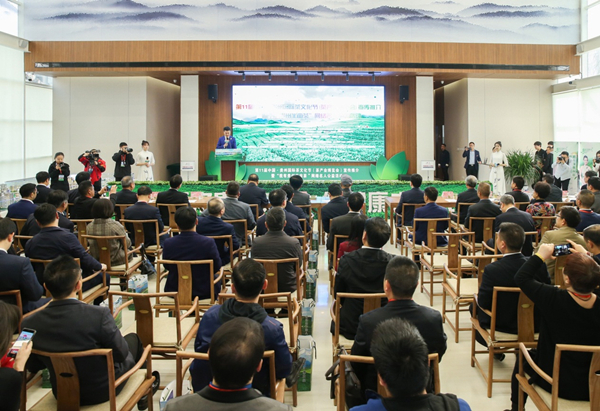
(11, 368)
(144, 160)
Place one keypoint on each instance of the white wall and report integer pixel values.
(456, 125)
(425, 128)
(190, 123)
(102, 112)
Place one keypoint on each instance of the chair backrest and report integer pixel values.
(559, 265)
(272, 269)
(462, 209)
(255, 210)
(81, 225)
(303, 224)
(370, 303)
(560, 204)
(522, 205)
(306, 209)
(225, 240)
(39, 266)
(525, 311)
(452, 251)
(12, 297)
(120, 210)
(434, 225)
(337, 240)
(483, 225)
(138, 227)
(184, 278)
(20, 243)
(103, 243)
(172, 208)
(409, 209)
(19, 222)
(545, 223)
(237, 223)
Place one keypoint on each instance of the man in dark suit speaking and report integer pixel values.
(472, 160)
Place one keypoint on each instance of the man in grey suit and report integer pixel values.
(236, 210)
(275, 245)
(236, 351)
(341, 225)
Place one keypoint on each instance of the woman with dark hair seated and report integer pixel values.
(11, 372)
(568, 316)
(103, 225)
(354, 241)
(539, 207)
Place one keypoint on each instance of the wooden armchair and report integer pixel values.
(166, 335)
(499, 342)
(434, 225)
(244, 246)
(545, 401)
(172, 209)
(277, 387)
(522, 205)
(402, 230)
(137, 227)
(333, 259)
(559, 266)
(228, 241)
(484, 225)
(122, 271)
(137, 382)
(547, 222)
(185, 287)
(255, 210)
(461, 209)
(560, 204)
(20, 223)
(272, 269)
(120, 210)
(81, 230)
(20, 241)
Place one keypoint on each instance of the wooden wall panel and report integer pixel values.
(400, 119)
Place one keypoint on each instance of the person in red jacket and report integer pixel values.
(95, 166)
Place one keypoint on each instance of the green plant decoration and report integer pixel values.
(240, 171)
(521, 163)
(213, 167)
(389, 169)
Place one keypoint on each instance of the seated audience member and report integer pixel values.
(362, 271)
(400, 283)
(430, 210)
(295, 210)
(43, 187)
(17, 273)
(517, 186)
(79, 178)
(58, 199)
(484, 208)
(300, 197)
(248, 282)
(82, 209)
(566, 220)
(237, 210)
(236, 363)
(125, 196)
(68, 325)
(11, 375)
(104, 226)
(213, 225)
(278, 199)
(141, 210)
(276, 245)
(251, 193)
(568, 316)
(171, 196)
(402, 364)
(346, 183)
(539, 207)
(591, 236)
(469, 196)
(337, 205)
(555, 194)
(501, 273)
(588, 174)
(585, 201)
(354, 241)
(25, 206)
(594, 187)
(53, 241)
(412, 196)
(341, 225)
(189, 246)
(511, 214)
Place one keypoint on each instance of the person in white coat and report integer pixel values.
(144, 162)
(497, 162)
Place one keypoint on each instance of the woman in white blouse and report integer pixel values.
(144, 160)
(497, 163)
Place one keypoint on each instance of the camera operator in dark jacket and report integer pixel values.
(95, 166)
(123, 161)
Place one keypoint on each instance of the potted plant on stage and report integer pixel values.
(521, 163)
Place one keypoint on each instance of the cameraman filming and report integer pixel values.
(95, 166)
(123, 160)
(562, 171)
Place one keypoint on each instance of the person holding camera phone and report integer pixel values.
(145, 161)
(562, 171)
(59, 171)
(123, 161)
(95, 166)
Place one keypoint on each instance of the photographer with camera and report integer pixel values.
(123, 160)
(562, 171)
(95, 166)
(59, 171)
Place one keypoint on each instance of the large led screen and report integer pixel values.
(309, 123)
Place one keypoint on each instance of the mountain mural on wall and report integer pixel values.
(518, 21)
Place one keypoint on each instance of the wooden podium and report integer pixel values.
(228, 170)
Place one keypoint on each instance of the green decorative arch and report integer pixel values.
(389, 169)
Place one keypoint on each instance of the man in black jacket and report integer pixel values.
(58, 199)
(251, 193)
(337, 205)
(278, 199)
(517, 186)
(484, 208)
(300, 197)
(413, 196)
(125, 196)
(549, 160)
(511, 214)
(291, 208)
(82, 209)
(79, 178)
(555, 193)
(400, 283)
(469, 197)
(341, 225)
(43, 187)
(144, 211)
(171, 196)
(444, 162)
(362, 271)
(123, 161)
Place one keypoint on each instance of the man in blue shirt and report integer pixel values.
(472, 160)
(226, 140)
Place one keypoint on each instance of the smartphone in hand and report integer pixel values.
(25, 336)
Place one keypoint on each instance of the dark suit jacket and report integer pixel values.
(122, 170)
(144, 211)
(444, 158)
(73, 195)
(340, 226)
(31, 227)
(42, 194)
(192, 246)
(360, 271)
(21, 209)
(277, 245)
(469, 196)
(501, 274)
(596, 206)
(525, 220)
(82, 209)
(412, 196)
(548, 161)
(292, 226)
(171, 196)
(122, 197)
(18, 274)
(253, 194)
(466, 155)
(301, 198)
(520, 197)
(431, 210)
(51, 242)
(71, 325)
(210, 226)
(588, 218)
(484, 208)
(297, 211)
(427, 320)
(555, 195)
(336, 207)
